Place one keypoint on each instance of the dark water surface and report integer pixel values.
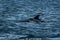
(11, 11)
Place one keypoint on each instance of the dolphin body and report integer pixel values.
(35, 19)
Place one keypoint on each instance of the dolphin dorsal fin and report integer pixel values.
(36, 17)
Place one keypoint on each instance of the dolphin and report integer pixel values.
(35, 19)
